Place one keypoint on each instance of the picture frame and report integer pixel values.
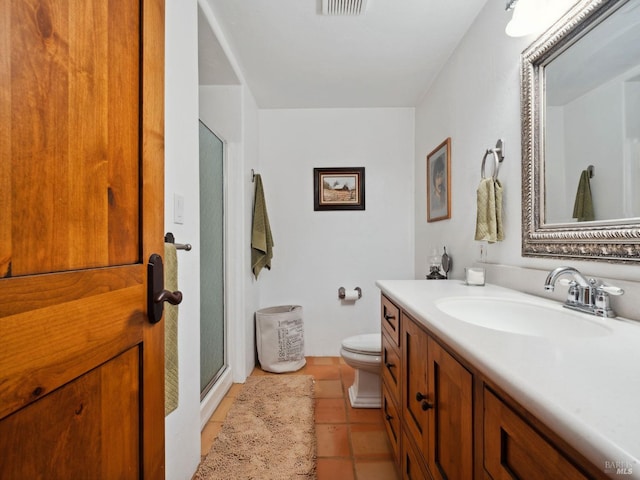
(439, 182)
(338, 188)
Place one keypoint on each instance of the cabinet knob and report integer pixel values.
(388, 317)
(388, 417)
(420, 397)
(389, 365)
(426, 405)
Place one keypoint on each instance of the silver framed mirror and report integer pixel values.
(580, 175)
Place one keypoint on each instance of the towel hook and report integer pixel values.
(498, 156)
(499, 150)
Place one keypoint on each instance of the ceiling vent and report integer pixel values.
(343, 7)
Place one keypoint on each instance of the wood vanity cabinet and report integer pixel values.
(447, 420)
(437, 405)
(391, 368)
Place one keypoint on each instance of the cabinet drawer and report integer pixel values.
(513, 449)
(391, 422)
(391, 367)
(390, 317)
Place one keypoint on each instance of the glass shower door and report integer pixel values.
(212, 313)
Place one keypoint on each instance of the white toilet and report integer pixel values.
(364, 353)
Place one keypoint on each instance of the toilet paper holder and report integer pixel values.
(342, 292)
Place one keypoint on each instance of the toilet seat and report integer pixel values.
(367, 344)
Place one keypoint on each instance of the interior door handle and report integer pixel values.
(156, 294)
(174, 298)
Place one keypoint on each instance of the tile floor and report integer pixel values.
(352, 442)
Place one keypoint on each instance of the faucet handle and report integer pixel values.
(602, 304)
(610, 289)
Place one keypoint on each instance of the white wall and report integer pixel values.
(317, 252)
(476, 100)
(231, 112)
(249, 293)
(182, 426)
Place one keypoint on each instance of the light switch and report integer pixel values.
(178, 208)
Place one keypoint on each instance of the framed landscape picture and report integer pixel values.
(339, 188)
(439, 182)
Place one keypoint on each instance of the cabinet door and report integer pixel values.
(513, 449)
(412, 465)
(391, 421)
(451, 422)
(415, 404)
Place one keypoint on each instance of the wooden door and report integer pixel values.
(81, 211)
(451, 421)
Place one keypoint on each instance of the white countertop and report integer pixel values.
(587, 389)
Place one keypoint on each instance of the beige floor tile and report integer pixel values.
(335, 469)
(323, 360)
(364, 415)
(329, 389)
(376, 470)
(208, 435)
(234, 390)
(333, 441)
(223, 408)
(330, 410)
(369, 440)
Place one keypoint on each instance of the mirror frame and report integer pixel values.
(612, 240)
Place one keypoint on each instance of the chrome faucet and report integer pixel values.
(584, 295)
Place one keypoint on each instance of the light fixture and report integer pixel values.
(511, 4)
(531, 16)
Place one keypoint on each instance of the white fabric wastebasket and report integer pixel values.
(280, 338)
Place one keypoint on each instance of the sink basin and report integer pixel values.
(522, 317)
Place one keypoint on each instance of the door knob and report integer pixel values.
(156, 294)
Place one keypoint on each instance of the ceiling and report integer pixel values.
(292, 56)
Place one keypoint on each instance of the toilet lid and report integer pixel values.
(369, 343)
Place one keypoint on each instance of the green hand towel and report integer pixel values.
(170, 331)
(489, 215)
(583, 205)
(261, 238)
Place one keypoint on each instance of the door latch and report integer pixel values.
(156, 294)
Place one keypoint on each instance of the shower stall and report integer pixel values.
(213, 356)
